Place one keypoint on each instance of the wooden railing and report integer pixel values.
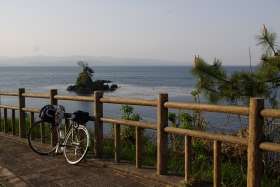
(255, 144)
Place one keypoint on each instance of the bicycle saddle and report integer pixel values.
(80, 117)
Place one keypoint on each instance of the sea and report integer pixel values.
(144, 82)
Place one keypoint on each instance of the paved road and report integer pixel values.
(21, 167)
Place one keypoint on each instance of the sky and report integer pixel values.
(167, 31)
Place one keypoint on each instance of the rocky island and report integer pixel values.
(86, 85)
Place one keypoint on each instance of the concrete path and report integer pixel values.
(19, 166)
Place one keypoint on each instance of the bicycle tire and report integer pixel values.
(42, 138)
(73, 140)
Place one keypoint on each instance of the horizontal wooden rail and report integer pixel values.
(207, 135)
(35, 110)
(274, 113)
(14, 107)
(36, 95)
(118, 100)
(9, 93)
(130, 123)
(74, 98)
(268, 146)
(208, 108)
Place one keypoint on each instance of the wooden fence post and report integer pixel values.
(117, 142)
(98, 131)
(53, 92)
(138, 134)
(5, 121)
(13, 122)
(256, 122)
(53, 101)
(0, 119)
(217, 164)
(162, 142)
(21, 104)
(188, 147)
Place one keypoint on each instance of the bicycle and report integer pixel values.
(46, 138)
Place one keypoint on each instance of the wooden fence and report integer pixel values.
(255, 144)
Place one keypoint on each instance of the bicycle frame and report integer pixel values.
(63, 144)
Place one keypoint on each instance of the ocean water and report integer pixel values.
(134, 82)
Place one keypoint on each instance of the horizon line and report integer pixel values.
(122, 65)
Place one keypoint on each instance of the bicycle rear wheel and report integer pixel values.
(42, 137)
(76, 144)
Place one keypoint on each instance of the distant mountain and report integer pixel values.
(72, 60)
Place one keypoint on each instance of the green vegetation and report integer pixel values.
(128, 149)
(9, 127)
(238, 87)
(85, 85)
(128, 133)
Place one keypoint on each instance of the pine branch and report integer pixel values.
(214, 76)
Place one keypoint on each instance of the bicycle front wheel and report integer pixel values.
(42, 137)
(76, 144)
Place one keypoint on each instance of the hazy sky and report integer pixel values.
(171, 30)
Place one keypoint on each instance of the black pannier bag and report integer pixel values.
(47, 113)
(80, 117)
